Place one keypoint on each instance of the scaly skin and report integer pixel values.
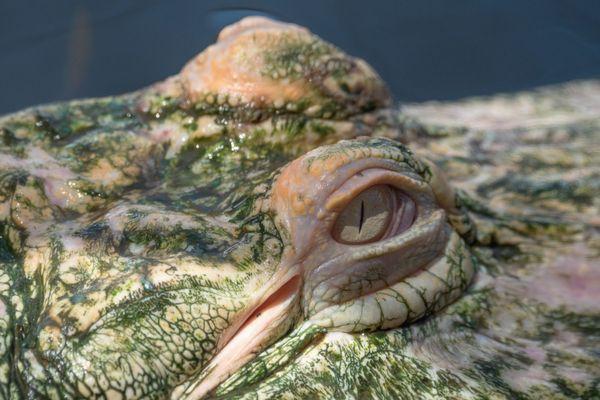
(176, 242)
(528, 327)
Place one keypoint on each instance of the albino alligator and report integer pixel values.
(266, 224)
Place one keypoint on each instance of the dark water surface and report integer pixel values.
(63, 49)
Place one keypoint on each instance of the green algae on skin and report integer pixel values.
(140, 235)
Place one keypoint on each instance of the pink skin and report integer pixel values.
(572, 279)
(348, 268)
(315, 213)
(334, 272)
(306, 272)
(268, 318)
(42, 165)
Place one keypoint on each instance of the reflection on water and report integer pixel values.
(79, 48)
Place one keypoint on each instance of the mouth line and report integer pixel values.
(264, 322)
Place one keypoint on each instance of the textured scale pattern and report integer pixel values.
(139, 233)
(528, 328)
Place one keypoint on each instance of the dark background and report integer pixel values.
(63, 49)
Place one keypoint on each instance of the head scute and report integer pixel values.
(266, 64)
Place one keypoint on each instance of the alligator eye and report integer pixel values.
(367, 217)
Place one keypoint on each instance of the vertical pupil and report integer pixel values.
(362, 216)
(366, 217)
